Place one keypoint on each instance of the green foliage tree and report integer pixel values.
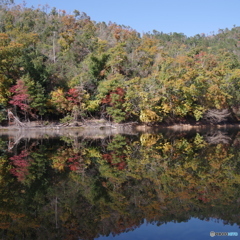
(164, 77)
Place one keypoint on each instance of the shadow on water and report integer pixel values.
(73, 185)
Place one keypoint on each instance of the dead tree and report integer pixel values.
(14, 119)
(216, 116)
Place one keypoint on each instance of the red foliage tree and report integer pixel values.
(74, 97)
(110, 100)
(20, 97)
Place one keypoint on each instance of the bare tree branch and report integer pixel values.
(216, 115)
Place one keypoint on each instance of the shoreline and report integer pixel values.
(134, 126)
(99, 131)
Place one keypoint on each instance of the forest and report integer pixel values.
(57, 66)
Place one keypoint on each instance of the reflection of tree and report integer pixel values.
(218, 137)
(20, 165)
(83, 191)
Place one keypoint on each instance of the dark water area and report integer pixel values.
(165, 185)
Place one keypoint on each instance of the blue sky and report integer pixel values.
(190, 17)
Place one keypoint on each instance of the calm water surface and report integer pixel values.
(145, 186)
(192, 229)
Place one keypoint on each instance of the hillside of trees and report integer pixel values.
(58, 66)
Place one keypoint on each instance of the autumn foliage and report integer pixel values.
(56, 65)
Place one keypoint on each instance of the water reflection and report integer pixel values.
(78, 188)
(193, 229)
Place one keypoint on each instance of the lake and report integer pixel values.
(164, 185)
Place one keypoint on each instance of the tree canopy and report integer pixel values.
(110, 71)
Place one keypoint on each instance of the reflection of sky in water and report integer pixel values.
(193, 229)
